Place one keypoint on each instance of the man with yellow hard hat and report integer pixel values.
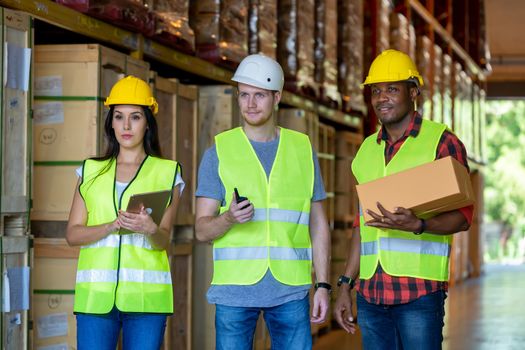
(401, 261)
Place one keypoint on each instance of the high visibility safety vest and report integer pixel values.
(122, 270)
(401, 253)
(278, 236)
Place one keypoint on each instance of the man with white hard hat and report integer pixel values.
(260, 201)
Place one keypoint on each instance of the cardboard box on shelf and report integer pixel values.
(427, 190)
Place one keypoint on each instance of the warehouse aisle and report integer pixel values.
(483, 313)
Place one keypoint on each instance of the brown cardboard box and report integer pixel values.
(427, 190)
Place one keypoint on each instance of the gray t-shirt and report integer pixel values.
(268, 291)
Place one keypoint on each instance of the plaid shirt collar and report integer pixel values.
(412, 130)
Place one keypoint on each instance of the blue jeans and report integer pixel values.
(415, 325)
(288, 325)
(139, 331)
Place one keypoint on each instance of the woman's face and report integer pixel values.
(130, 124)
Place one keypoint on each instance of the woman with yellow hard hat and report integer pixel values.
(123, 280)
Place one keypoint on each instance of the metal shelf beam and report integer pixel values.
(447, 37)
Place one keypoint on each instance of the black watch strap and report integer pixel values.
(323, 285)
(345, 279)
(422, 228)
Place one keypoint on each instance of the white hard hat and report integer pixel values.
(260, 71)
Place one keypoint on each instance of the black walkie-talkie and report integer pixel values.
(240, 198)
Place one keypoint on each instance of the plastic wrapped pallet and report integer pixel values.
(412, 42)
(221, 30)
(463, 111)
(377, 29)
(482, 123)
(475, 122)
(446, 89)
(467, 114)
(437, 94)
(399, 33)
(326, 51)
(295, 45)
(132, 15)
(263, 27)
(172, 25)
(350, 53)
(423, 63)
(457, 95)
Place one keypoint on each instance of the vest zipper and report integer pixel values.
(120, 206)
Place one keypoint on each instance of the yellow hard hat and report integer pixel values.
(392, 65)
(132, 91)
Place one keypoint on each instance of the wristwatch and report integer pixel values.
(422, 228)
(323, 285)
(344, 279)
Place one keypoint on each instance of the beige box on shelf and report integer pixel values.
(427, 190)
(53, 189)
(53, 283)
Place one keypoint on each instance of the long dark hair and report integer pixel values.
(151, 137)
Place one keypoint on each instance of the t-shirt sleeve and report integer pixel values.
(319, 191)
(78, 171)
(209, 183)
(179, 181)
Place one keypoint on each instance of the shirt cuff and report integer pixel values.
(468, 212)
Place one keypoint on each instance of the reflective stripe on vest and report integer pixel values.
(401, 253)
(280, 215)
(255, 253)
(278, 235)
(406, 246)
(122, 270)
(113, 240)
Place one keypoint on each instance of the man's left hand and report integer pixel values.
(320, 307)
(400, 219)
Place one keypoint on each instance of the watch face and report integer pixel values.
(342, 279)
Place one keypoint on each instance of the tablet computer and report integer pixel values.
(154, 202)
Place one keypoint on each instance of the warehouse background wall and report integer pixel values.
(507, 47)
(187, 50)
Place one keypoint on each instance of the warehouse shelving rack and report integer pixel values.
(144, 48)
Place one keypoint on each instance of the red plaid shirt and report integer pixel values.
(390, 290)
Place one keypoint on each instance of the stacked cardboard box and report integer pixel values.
(71, 83)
